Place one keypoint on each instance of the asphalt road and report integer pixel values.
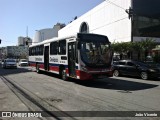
(23, 89)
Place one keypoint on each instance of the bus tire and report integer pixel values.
(63, 74)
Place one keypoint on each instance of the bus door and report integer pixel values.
(72, 59)
(46, 58)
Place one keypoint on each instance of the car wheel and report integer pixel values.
(144, 75)
(116, 73)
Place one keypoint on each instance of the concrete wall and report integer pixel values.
(45, 34)
(21, 41)
(107, 19)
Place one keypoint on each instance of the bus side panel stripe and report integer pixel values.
(32, 64)
(54, 68)
(83, 75)
(41, 66)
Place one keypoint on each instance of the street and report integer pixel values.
(22, 89)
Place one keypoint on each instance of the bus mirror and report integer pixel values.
(79, 45)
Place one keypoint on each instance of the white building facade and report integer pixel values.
(23, 40)
(111, 18)
(105, 19)
(47, 33)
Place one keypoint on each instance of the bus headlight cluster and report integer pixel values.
(84, 68)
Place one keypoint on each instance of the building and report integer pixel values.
(120, 20)
(17, 52)
(47, 33)
(3, 52)
(23, 40)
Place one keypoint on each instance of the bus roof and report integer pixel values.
(52, 39)
(61, 38)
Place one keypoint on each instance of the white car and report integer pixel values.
(23, 62)
(9, 63)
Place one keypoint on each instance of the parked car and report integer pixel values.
(135, 68)
(23, 62)
(9, 63)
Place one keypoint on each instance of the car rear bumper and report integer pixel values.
(11, 66)
(23, 64)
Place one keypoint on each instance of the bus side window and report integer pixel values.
(29, 51)
(41, 49)
(53, 48)
(62, 46)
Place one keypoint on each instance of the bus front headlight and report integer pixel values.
(84, 68)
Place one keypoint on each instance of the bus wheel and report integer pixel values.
(63, 75)
(37, 69)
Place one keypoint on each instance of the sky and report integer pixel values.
(17, 15)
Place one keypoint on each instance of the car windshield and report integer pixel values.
(10, 61)
(23, 60)
(95, 53)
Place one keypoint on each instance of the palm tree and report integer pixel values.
(122, 48)
(147, 45)
(126, 48)
(137, 47)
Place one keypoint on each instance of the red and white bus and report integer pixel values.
(82, 56)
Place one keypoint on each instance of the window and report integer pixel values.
(38, 50)
(146, 19)
(41, 49)
(53, 48)
(32, 52)
(62, 46)
(29, 51)
(84, 28)
(130, 64)
(122, 63)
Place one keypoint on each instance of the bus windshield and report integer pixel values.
(96, 53)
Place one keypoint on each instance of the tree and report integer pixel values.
(141, 47)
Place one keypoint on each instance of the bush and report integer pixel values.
(156, 58)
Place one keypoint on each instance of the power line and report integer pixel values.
(114, 4)
(108, 24)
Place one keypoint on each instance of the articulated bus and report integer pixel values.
(82, 56)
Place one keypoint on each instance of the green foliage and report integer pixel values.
(124, 47)
(156, 58)
(139, 47)
(148, 44)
